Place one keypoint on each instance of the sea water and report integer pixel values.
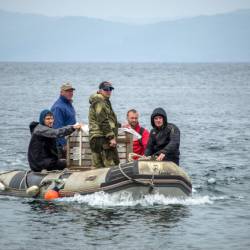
(210, 103)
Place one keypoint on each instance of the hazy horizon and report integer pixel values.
(139, 11)
(214, 38)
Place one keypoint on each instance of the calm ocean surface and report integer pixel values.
(210, 103)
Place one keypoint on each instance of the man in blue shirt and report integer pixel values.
(64, 114)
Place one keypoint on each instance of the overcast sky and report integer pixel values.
(125, 9)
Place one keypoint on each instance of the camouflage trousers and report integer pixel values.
(103, 155)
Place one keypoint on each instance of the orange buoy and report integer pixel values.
(51, 195)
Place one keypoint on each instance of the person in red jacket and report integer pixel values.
(139, 145)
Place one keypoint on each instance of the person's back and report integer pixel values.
(164, 139)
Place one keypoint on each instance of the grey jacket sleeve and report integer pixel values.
(52, 132)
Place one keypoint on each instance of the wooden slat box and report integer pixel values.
(79, 154)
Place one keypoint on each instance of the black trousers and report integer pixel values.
(57, 165)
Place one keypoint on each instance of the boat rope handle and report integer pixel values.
(151, 184)
(140, 157)
(128, 177)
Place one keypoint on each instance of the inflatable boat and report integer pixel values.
(139, 178)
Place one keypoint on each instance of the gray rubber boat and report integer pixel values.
(138, 177)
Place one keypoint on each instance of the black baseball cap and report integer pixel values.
(106, 86)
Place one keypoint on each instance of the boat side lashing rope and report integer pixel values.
(150, 185)
(49, 181)
(58, 183)
(24, 179)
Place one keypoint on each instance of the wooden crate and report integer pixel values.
(79, 154)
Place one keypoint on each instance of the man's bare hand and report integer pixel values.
(113, 143)
(126, 125)
(160, 157)
(77, 125)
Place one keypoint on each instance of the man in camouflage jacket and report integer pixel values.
(103, 128)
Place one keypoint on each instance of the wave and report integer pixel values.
(125, 199)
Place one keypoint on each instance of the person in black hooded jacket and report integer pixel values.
(42, 152)
(164, 138)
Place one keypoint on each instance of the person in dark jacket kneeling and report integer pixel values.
(164, 138)
(42, 152)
